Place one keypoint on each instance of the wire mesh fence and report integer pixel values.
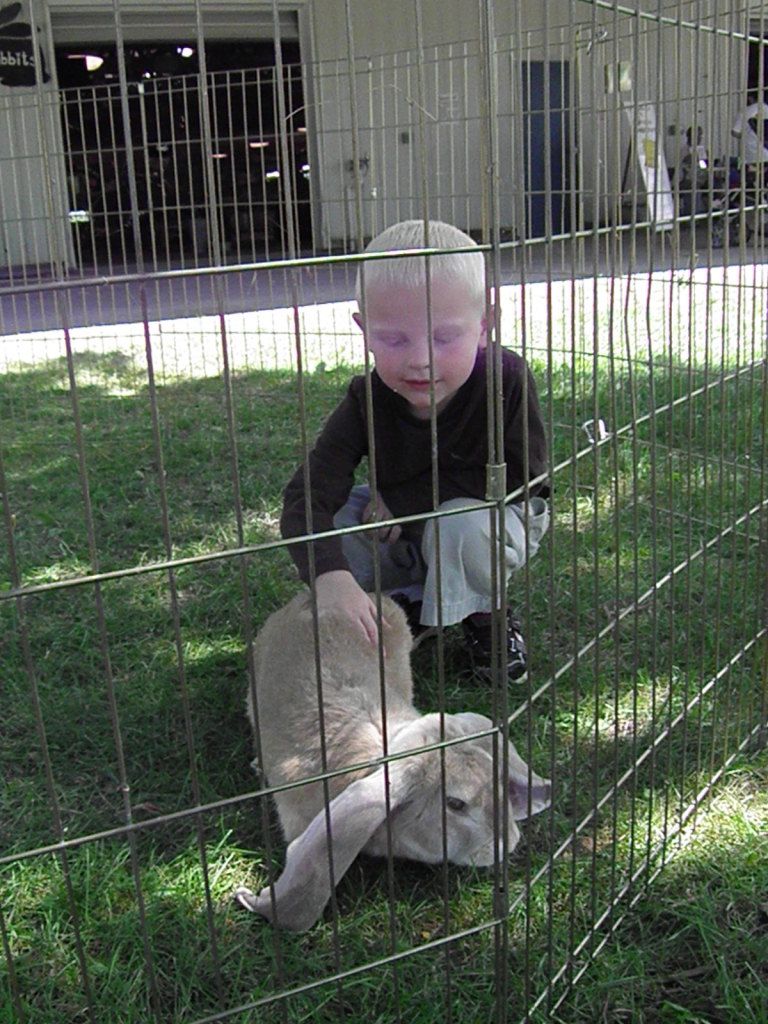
(177, 326)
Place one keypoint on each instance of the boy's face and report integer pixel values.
(395, 329)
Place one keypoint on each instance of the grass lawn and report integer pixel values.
(127, 697)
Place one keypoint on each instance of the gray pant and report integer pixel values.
(466, 554)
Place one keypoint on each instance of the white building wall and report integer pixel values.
(33, 201)
(688, 75)
(418, 110)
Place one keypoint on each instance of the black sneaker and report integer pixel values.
(478, 637)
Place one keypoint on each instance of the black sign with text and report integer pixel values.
(17, 49)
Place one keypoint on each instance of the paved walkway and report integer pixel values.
(577, 300)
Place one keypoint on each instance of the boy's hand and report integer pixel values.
(340, 590)
(376, 510)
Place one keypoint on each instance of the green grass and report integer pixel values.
(694, 948)
(152, 920)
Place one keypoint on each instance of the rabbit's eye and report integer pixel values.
(455, 803)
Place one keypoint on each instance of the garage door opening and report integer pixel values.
(153, 181)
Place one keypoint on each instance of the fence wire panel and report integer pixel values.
(183, 221)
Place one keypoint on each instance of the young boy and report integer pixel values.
(400, 301)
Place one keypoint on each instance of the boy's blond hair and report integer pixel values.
(467, 268)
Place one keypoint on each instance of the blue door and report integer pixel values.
(545, 140)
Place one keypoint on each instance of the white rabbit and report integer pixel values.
(407, 797)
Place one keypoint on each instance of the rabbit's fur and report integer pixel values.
(401, 804)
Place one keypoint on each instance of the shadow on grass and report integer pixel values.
(696, 945)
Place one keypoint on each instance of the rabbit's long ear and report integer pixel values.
(519, 781)
(303, 889)
(520, 776)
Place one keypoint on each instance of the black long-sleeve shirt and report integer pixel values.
(403, 453)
